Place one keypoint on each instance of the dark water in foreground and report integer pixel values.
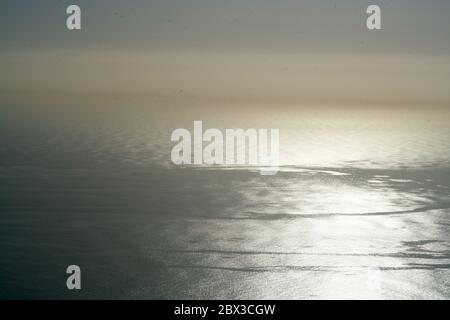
(100, 197)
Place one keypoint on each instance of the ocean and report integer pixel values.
(359, 209)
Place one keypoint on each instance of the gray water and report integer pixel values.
(360, 208)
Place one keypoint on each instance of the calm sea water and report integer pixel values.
(360, 208)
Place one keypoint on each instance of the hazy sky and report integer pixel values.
(305, 50)
(410, 26)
